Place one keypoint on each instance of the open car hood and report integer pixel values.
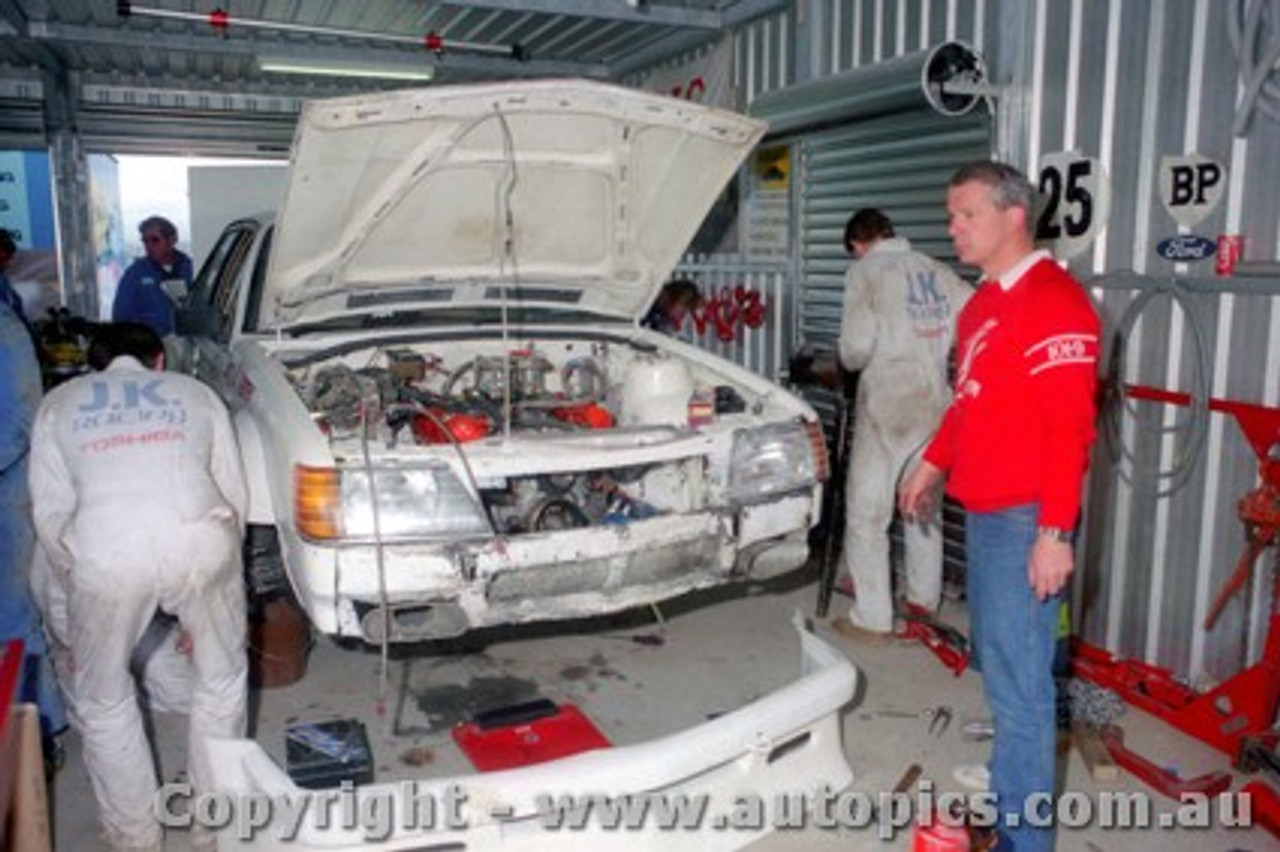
(569, 193)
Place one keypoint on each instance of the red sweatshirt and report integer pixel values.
(1020, 426)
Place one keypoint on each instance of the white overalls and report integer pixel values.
(139, 503)
(898, 323)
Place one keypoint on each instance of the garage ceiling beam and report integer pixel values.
(736, 15)
(604, 10)
(12, 19)
(660, 50)
(748, 10)
(214, 45)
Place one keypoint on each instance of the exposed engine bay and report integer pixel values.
(464, 398)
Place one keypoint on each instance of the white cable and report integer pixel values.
(506, 189)
(1257, 74)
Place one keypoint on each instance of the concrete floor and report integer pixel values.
(718, 652)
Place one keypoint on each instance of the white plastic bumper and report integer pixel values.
(713, 787)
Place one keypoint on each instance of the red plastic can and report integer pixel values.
(1230, 248)
(936, 836)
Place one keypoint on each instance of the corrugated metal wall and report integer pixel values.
(1126, 82)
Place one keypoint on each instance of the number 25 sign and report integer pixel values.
(1075, 202)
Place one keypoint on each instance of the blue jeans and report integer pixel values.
(1014, 637)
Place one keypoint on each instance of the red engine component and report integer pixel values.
(461, 428)
(588, 414)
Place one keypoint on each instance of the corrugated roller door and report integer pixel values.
(901, 164)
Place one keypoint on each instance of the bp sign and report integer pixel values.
(1191, 187)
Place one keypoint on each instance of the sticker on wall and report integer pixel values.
(773, 167)
(1186, 248)
(1191, 187)
(1075, 197)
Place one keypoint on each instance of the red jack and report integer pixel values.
(1237, 716)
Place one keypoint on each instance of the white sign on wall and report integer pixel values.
(1075, 202)
(1191, 187)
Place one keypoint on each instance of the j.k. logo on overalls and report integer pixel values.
(926, 305)
(134, 404)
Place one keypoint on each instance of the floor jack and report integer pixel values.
(1238, 716)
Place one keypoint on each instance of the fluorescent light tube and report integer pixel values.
(334, 68)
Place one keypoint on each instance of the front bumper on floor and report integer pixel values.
(711, 787)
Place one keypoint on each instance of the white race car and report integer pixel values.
(449, 413)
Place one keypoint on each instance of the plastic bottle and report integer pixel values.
(702, 407)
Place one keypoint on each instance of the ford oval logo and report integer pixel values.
(1187, 247)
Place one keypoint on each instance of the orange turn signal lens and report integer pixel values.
(317, 503)
(818, 443)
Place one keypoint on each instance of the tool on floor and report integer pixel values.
(978, 730)
(652, 640)
(1236, 717)
(526, 733)
(940, 722)
(939, 717)
(947, 643)
(909, 778)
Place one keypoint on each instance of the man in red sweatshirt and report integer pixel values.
(1013, 448)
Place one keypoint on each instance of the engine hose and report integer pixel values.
(557, 507)
(1118, 406)
(458, 373)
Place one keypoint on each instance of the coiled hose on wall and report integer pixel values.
(1254, 30)
(1193, 425)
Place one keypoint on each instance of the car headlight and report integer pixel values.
(419, 502)
(775, 459)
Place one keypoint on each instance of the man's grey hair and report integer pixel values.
(1009, 187)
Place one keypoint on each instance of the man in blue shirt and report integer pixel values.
(19, 619)
(150, 285)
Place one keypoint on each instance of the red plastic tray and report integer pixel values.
(561, 734)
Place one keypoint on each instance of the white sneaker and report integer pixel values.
(975, 776)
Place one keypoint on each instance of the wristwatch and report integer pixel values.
(1057, 534)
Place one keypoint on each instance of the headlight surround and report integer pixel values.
(771, 460)
(414, 502)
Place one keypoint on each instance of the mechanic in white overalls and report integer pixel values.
(139, 502)
(898, 323)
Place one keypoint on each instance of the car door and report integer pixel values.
(217, 293)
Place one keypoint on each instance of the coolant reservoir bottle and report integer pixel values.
(655, 392)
